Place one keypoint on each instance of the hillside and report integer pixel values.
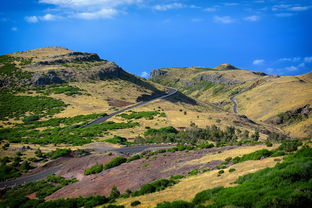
(261, 97)
(79, 131)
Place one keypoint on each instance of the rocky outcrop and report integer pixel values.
(70, 57)
(292, 116)
(216, 79)
(158, 73)
(45, 79)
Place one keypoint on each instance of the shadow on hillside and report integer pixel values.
(180, 97)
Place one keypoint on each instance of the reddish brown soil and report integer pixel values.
(118, 103)
(129, 175)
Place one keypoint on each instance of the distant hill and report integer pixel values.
(261, 97)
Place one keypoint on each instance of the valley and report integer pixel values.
(80, 131)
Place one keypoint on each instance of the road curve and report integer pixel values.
(171, 91)
(235, 104)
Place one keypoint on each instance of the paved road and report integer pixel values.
(235, 104)
(171, 91)
(31, 178)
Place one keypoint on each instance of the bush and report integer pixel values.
(290, 145)
(135, 203)
(257, 155)
(31, 118)
(94, 169)
(175, 204)
(134, 157)
(232, 170)
(206, 195)
(59, 153)
(115, 162)
(117, 140)
(155, 186)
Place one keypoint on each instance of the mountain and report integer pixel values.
(261, 97)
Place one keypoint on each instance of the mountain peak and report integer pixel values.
(225, 66)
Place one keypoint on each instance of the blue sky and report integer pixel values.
(271, 36)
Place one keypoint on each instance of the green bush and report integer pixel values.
(31, 118)
(94, 169)
(134, 157)
(59, 153)
(290, 145)
(175, 204)
(149, 115)
(206, 195)
(257, 155)
(117, 140)
(135, 203)
(157, 185)
(115, 162)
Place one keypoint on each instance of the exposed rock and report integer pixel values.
(158, 73)
(45, 79)
(70, 57)
(187, 83)
(259, 73)
(216, 79)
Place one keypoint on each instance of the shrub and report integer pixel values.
(232, 170)
(115, 162)
(59, 153)
(135, 203)
(175, 204)
(290, 145)
(31, 118)
(133, 157)
(117, 140)
(94, 169)
(206, 195)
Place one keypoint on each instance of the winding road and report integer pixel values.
(235, 104)
(123, 150)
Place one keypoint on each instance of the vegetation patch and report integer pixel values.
(99, 167)
(13, 106)
(60, 135)
(60, 89)
(149, 115)
(117, 140)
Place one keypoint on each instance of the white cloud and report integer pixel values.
(144, 75)
(101, 14)
(291, 68)
(301, 65)
(14, 29)
(284, 14)
(31, 19)
(308, 59)
(223, 19)
(299, 8)
(252, 18)
(165, 7)
(280, 6)
(231, 4)
(210, 9)
(293, 59)
(258, 62)
(49, 17)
